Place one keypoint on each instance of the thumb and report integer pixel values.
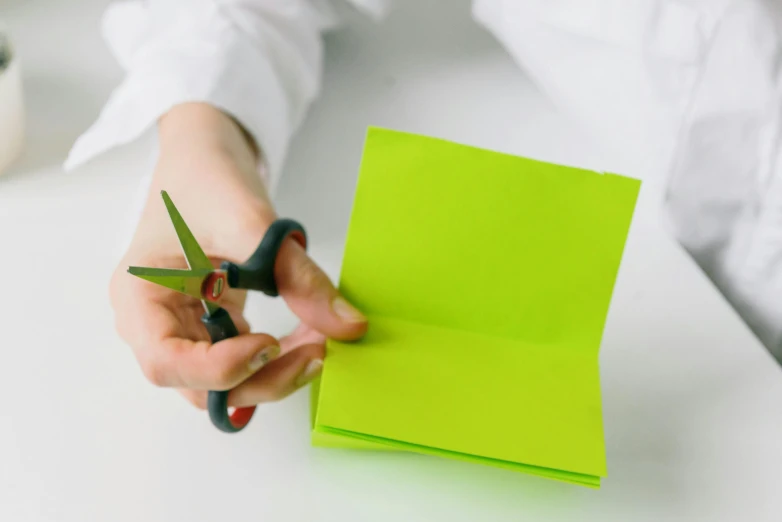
(312, 297)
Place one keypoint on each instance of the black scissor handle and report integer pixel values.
(257, 273)
(220, 327)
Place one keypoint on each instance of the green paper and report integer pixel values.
(486, 279)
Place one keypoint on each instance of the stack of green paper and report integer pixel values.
(486, 279)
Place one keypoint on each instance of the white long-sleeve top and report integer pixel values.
(696, 79)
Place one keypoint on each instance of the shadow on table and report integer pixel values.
(643, 476)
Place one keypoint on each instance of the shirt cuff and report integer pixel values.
(211, 62)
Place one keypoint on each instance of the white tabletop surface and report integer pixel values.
(692, 401)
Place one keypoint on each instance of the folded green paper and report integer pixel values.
(486, 279)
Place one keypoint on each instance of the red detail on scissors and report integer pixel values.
(299, 238)
(241, 416)
(214, 286)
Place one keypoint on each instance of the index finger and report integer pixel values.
(173, 347)
(310, 294)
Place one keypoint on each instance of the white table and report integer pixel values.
(692, 401)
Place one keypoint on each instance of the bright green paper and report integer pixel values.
(486, 279)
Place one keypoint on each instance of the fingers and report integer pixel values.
(312, 297)
(171, 343)
(303, 334)
(177, 362)
(281, 378)
(274, 382)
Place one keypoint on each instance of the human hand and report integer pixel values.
(206, 162)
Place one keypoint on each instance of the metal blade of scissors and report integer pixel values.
(188, 282)
(196, 258)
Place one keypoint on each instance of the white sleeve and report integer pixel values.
(257, 60)
(687, 93)
(622, 69)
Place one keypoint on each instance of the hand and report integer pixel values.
(208, 166)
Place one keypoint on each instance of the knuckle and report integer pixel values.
(276, 393)
(223, 376)
(251, 223)
(153, 371)
(196, 398)
(307, 274)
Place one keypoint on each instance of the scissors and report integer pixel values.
(202, 281)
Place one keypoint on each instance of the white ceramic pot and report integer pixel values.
(12, 114)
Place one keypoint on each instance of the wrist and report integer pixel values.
(199, 128)
(201, 144)
(209, 168)
(227, 219)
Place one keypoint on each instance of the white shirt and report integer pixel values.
(696, 80)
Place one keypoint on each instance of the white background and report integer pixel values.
(692, 401)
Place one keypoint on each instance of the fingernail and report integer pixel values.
(346, 311)
(310, 372)
(260, 359)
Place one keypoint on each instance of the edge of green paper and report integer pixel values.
(327, 437)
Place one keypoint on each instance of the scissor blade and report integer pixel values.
(188, 282)
(196, 258)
